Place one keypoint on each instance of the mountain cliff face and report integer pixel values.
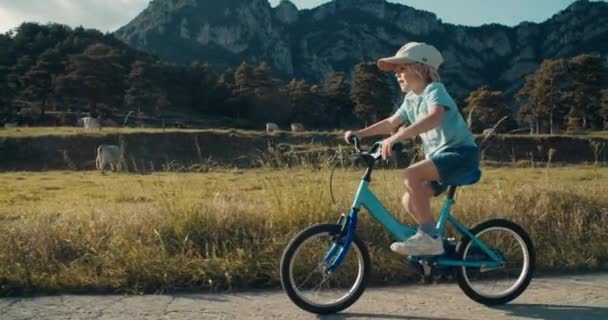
(339, 34)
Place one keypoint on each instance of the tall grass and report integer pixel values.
(83, 232)
(69, 131)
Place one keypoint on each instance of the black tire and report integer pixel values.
(527, 277)
(287, 260)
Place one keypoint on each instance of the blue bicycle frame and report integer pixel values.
(366, 198)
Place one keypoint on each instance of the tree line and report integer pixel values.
(54, 69)
(562, 95)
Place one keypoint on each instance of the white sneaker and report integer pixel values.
(420, 244)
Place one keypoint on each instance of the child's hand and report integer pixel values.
(347, 135)
(387, 148)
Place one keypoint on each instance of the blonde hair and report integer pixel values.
(424, 71)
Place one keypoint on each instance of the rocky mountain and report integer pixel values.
(339, 34)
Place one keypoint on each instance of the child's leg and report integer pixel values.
(409, 204)
(418, 199)
(418, 202)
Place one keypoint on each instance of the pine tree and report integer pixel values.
(486, 108)
(262, 80)
(370, 93)
(300, 101)
(543, 96)
(222, 91)
(39, 82)
(94, 77)
(145, 93)
(242, 100)
(335, 95)
(244, 80)
(21, 109)
(203, 83)
(6, 110)
(17, 71)
(589, 75)
(604, 107)
(564, 93)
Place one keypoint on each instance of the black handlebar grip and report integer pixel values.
(351, 138)
(354, 139)
(397, 146)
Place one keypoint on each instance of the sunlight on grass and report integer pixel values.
(84, 232)
(68, 131)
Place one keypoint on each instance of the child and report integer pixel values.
(451, 152)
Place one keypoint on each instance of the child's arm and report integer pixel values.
(382, 127)
(430, 121)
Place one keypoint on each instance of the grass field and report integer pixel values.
(66, 131)
(84, 232)
(69, 131)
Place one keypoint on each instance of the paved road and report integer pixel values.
(556, 298)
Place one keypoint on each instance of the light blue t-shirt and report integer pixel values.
(453, 130)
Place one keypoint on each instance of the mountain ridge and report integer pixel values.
(336, 35)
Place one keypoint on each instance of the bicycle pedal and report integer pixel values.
(427, 270)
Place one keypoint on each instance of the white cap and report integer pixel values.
(412, 52)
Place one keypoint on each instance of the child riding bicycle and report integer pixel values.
(450, 150)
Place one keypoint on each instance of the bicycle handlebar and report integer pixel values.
(374, 151)
(355, 140)
(370, 159)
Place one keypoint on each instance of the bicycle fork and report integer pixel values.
(342, 241)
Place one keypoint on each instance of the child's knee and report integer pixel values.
(420, 189)
(428, 191)
(405, 199)
(415, 188)
(409, 175)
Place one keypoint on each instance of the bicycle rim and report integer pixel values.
(313, 284)
(497, 282)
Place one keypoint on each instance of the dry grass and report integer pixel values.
(83, 232)
(69, 131)
(66, 131)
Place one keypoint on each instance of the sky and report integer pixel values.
(109, 15)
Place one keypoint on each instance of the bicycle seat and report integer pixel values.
(472, 178)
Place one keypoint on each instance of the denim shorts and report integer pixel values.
(454, 166)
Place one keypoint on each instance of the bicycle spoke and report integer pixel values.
(325, 278)
(318, 287)
(311, 273)
(500, 281)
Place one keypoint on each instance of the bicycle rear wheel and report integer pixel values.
(304, 274)
(492, 286)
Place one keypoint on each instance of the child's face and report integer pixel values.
(407, 79)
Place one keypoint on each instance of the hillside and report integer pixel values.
(339, 34)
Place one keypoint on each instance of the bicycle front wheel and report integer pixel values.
(304, 273)
(496, 285)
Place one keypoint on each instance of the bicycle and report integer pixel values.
(486, 254)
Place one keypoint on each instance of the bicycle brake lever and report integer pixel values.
(377, 155)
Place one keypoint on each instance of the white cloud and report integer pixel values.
(105, 15)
